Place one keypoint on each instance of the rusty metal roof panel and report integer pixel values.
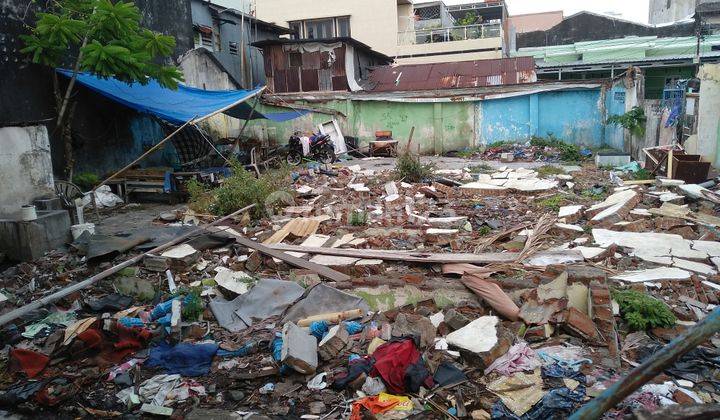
(464, 74)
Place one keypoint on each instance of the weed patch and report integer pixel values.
(548, 170)
(567, 152)
(410, 169)
(553, 203)
(237, 191)
(642, 312)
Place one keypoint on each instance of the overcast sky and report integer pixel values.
(635, 10)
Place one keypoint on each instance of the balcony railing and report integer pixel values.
(455, 33)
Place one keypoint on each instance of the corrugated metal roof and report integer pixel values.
(463, 74)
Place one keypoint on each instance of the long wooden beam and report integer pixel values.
(39, 303)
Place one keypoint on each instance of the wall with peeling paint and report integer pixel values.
(439, 127)
(26, 171)
(576, 116)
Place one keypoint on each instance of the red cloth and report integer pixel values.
(28, 361)
(392, 360)
(115, 347)
(92, 338)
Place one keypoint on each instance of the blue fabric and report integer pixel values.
(181, 105)
(319, 329)
(183, 359)
(353, 327)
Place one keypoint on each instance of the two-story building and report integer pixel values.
(408, 31)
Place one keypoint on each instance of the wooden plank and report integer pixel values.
(323, 271)
(389, 255)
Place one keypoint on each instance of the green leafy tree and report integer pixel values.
(104, 38)
(471, 18)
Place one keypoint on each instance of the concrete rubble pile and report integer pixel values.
(504, 292)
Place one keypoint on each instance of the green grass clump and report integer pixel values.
(548, 170)
(482, 168)
(239, 190)
(552, 203)
(642, 312)
(642, 174)
(86, 181)
(502, 143)
(568, 152)
(410, 169)
(358, 218)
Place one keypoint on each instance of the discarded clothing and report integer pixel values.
(115, 347)
(557, 403)
(28, 361)
(323, 299)
(519, 358)
(269, 297)
(493, 295)
(372, 404)
(55, 391)
(44, 326)
(400, 366)
(356, 367)
(448, 374)
(699, 365)
(184, 359)
(566, 356)
(518, 393)
(112, 302)
(19, 392)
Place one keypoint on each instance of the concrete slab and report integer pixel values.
(27, 241)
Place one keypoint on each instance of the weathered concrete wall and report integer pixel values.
(102, 129)
(592, 27)
(666, 11)
(26, 171)
(439, 127)
(709, 113)
(575, 116)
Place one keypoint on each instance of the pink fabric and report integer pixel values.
(519, 358)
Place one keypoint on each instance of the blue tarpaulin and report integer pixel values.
(181, 105)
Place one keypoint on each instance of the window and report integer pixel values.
(296, 27)
(343, 26)
(318, 29)
(233, 48)
(203, 37)
(295, 59)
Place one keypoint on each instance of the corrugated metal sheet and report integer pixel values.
(463, 74)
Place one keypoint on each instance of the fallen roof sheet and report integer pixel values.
(463, 74)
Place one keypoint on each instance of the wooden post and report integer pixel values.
(684, 343)
(670, 164)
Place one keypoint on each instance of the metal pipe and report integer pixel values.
(39, 303)
(684, 343)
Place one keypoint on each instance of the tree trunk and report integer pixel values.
(68, 142)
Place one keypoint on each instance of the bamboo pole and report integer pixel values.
(151, 150)
(39, 303)
(651, 368)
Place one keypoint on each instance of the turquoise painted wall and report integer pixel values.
(615, 105)
(575, 116)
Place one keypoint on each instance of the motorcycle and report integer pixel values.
(321, 149)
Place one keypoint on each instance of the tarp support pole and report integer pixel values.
(658, 362)
(236, 146)
(130, 165)
(39, 303)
